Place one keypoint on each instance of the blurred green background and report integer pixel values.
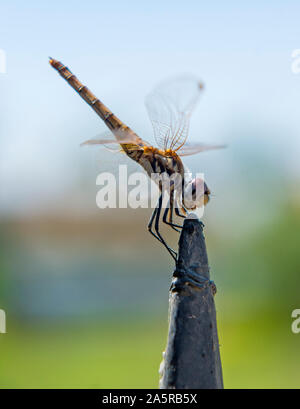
(85, 290)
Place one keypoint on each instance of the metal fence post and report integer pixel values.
(192, 357)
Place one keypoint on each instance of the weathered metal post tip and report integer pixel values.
(192, 357)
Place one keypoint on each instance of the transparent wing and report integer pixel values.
(169, 107)
(193, 148)
(118, 137)
(100, 139)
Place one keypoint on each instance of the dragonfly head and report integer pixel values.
(196, 194)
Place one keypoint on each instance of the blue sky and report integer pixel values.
(242, 52)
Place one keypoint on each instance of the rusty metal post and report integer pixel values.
(192, 356)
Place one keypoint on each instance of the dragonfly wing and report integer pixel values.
(100, 139)
(118, 137)
(169, 107)
(194, 148)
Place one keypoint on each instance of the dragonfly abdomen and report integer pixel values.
(111, 121)
(86, 94)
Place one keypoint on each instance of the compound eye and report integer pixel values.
(206, 190)
(193, 188)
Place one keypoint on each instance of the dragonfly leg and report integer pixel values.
(171, 251)
(150, 224)
(178, 212)
(169, 211)
(155, 216)
(169, 222)
(174, 200)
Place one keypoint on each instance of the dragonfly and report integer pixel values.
(169, 107)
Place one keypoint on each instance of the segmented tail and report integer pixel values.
(113, 123)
